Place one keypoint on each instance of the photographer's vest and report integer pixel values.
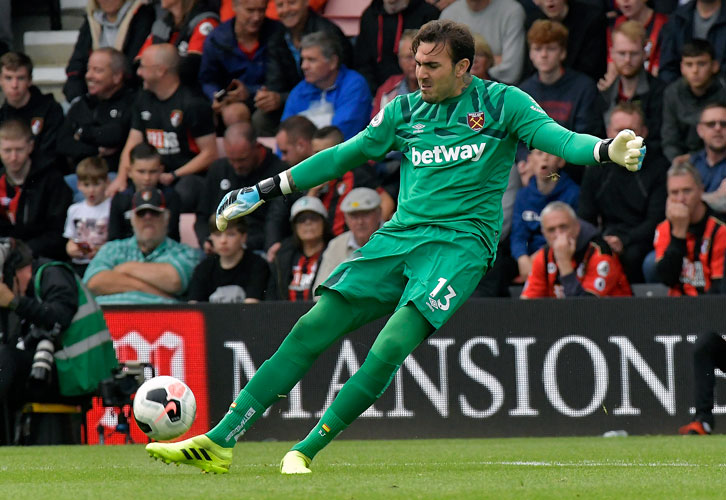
(86, 354)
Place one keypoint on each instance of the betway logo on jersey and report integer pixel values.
(442, 154)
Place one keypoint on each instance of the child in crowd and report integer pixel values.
(144, 173)
(547, 184)
(87, 221)
(230, 274)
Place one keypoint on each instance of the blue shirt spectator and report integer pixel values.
(330, 94)
(711, 175)
(548, 183)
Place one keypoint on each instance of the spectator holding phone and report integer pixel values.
(234, 59)
(87, 221)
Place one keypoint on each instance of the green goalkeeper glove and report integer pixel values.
(626, 149)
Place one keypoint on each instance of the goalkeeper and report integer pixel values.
(458, 136)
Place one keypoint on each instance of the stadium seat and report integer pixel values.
(269, 142)
(346, 14)
(51, 423)
(186, 229)
(649, 290)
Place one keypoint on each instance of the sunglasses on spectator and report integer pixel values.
(143, 213)
(713, 123)
(307, 217)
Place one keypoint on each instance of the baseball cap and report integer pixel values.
(360, 199)
(152, 199)
(308, 204)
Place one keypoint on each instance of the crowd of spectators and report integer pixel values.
(172, 103)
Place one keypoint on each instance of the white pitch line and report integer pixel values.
(533, 464)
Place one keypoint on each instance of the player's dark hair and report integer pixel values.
(545, 31)
(330, 132)
(698, 47)
(298, 127)
(329, 44)
(240, 224)
(93, 169)
(456, 38)
(15, 60)
(143, 151)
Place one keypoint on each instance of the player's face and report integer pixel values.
(249, 15)
(438, 77)
(363, 224)
(228, 243)
(630, 8)
(15, 85)
(621, 120)
(405, 59)
(242, 156)
(712, 129)
(94, 192)
(553, 9)
(145, 173)
(318, 70)
(628, 55)
(698, 70)
(309, 227)
(556, 223)
(292, 12)
(100, 79)
(15, 153)
(546, 57)
(684, 189)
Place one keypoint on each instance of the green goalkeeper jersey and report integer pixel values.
(456, 154)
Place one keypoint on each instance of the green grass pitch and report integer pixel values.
(658, 467)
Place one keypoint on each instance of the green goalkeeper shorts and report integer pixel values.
(434, 268)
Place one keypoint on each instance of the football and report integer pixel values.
(164, 408)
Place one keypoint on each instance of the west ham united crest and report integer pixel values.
(176, 117)
(475, 121)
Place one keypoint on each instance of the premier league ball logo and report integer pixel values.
(176, 117)
(475, 121)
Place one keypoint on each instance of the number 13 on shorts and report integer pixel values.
(441, 304)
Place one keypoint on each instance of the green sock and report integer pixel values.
(240, 417)
(332, 317)
(323, 433)
(360, 392)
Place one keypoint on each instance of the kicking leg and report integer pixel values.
(406, 329)
(331, 318)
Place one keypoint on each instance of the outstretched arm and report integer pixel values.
(319, 168)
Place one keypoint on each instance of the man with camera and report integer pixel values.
(54, 341)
